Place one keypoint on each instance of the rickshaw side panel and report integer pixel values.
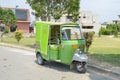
(42, 35)
(68, 49)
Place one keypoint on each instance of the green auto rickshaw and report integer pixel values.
(62, 43)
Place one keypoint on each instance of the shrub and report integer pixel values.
(107, 32)
(18, 35)
(104, 31)
(115, 33)
(100, 32)
(6, 30)
(88, 38)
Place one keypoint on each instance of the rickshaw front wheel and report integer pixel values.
(40, 60)
(81, 67)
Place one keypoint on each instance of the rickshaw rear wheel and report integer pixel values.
(40, 60)
(81, 67)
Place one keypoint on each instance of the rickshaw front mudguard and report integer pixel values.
(78, 57)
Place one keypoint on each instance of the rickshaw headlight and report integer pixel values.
(78, 51)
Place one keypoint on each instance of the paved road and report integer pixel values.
(17, 64)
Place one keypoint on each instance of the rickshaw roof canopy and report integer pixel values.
(56, 23)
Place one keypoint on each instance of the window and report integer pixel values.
(71, 33)
(87, 27)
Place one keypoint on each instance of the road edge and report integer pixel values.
(103, 70)
(89, 65)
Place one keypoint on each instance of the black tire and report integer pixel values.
(40, 60)
(81, 67)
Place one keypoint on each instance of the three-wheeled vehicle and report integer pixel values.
(61, 43)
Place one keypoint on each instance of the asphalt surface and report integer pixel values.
(18, 64)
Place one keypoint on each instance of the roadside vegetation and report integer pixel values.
(28, 42)
(111, 29)
(18, 35)
(106, 49)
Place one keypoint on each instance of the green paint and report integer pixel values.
(67, 52)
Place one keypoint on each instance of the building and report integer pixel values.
(87, 20)
(117, 21)
(23, 19)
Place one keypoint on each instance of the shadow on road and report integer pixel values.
(93, 75)
(59, 66)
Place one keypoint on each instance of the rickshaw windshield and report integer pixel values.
(71, 33)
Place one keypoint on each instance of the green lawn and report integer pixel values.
(29, 42)
(106, 49)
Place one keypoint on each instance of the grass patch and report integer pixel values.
(29, 42)
(106, 49)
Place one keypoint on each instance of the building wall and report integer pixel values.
(23, 26)
(89, 19)
(86, 19)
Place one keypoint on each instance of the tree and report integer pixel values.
(1, 13)
(72, 9)
(88, 38)
(45, 9)
(8, 18)
(58, 9)
(42, 8)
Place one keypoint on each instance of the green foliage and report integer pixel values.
(1, 13)
(18, 35)
(110, 29)
(115, 33)
(104, 31)
(46, 8)
(55, 8)
(72, 8)
(89, 39)
(8, 17)
(58, 9)
(114, 29)
(119, 27)
(6, 29)
(100, 32)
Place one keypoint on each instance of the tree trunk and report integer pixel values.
(87, 49)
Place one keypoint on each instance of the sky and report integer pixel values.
(106, 10)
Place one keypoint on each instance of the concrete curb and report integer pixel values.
(103, 70)
(89, 65)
